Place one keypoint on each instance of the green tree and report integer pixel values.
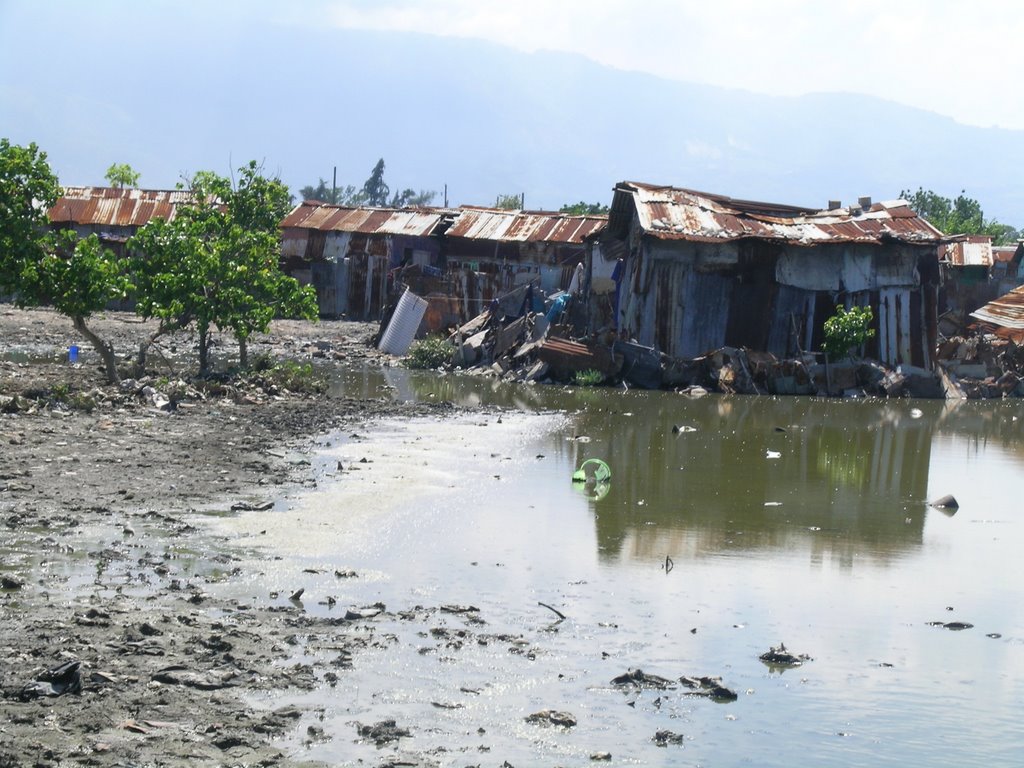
(411, 198)
(28, 189)
(375, 190)
(960, 216)
(76, 277)
(347, 195)
(217, 263)
(511, 202)
(122, 175)
(846, 330)
(584, 209)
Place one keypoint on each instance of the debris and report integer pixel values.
(592, 471)
(65, 678)
(558, 613)
(552, 717)
(946, 502)
(637, 678)
(664, 738)
(711, 687)
(246, 506)
(382, 733)
(781, 657)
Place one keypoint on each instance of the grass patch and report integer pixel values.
(431, 352)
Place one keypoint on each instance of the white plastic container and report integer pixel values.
(401, 330)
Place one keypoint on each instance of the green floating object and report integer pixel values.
(592, 471)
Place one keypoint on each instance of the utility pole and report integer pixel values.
(334, 186)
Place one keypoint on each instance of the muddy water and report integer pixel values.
(780, 520)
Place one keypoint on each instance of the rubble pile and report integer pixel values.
(534, 347)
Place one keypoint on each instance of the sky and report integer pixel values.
(959, 58)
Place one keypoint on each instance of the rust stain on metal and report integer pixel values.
(566, 357)
(114, 207)
(972, 251)
(416, 222)
(680, 214)
(524, 226)
(1005, 312)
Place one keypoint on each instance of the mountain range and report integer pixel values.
(476, 117)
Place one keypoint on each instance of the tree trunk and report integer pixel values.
(204, 350)
(105, 349)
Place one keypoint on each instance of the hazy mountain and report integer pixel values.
(478, 117)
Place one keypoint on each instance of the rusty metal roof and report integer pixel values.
(524, 226)
(415, 222)
(110, 206)
(1005, 312)
(970, 251)
(669, 213)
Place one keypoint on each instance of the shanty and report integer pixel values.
(702, 271)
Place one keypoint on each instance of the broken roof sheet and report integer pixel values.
(971, 251)
(669, 213)
(1005, 312)
(524, 226)
(112, 206)
(415, 222)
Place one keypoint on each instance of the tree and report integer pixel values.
(847, 329)
(217, 262)
(347, 195)
(962, 216)
(28, 189)
(511, 202)
(584, 209)
(122, 175)
(375, 190)
(77, 277)
(410, 198)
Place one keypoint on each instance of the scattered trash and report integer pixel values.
(664, 738)
(946, 502)
(956, 626)
(65, 678)
(680, 429)
(592, 471)
(382, 733)
(781, 657)
(711, 687)
(552, 717)
(637, 678)
(773, 454)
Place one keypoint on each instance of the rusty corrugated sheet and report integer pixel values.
(524, 226)
(109, 206)
(566, 357)
(973, 251)
(681, 214)
(416, 222)
(1005, 312)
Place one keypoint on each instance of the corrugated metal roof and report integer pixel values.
(415, 222)
(1004, 253)
(681, 214)
(524, 226)
(971, 251)
(109, 206)
(1005, 312)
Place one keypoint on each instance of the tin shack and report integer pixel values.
(491, 252)
(701, 271)
(347, 253)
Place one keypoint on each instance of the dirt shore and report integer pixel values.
(111, 650)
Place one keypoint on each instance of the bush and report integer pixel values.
(431, 352)
(847, 329)
(297, 377)
(588, 378)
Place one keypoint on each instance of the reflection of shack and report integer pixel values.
(704, 271)
(347, 253)
(492, 252)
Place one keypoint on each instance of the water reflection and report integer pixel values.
(833, 480)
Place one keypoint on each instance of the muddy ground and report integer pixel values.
(102, 572)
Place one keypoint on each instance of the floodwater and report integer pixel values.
(730, 525)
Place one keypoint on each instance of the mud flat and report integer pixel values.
(115, 648)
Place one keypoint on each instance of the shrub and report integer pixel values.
(588, 378)
(847, 329)
(431, 352)
(297, 377)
